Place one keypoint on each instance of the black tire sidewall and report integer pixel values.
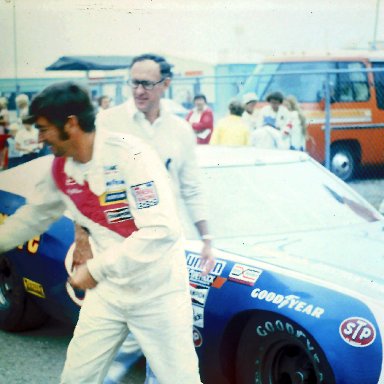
(22, 313)
(11, 315)
(265, 330)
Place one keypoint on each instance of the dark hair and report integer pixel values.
(236, 108)
(275, 96)
(60, 100)
(165, 67)
(200, 96)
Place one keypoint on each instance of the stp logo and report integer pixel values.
(197, 338)
(357, 332)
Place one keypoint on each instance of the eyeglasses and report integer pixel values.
(148, 85)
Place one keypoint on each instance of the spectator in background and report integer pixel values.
(4, 115)
(298, 130)
(104, 102)
(4, 123)
(273, 130)
(22, 105)
(27, 142)
(201, 119)
(12, 154)
(232, 130)
(250, 114)
(275, 114)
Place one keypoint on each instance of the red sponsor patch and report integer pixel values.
(244, 274)
(357, 332)
(197, 338)
(218, 282)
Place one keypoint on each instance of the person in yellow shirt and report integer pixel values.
(231, 130)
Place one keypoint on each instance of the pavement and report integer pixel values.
(371, 189)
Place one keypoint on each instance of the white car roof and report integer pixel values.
(25, 175)
(222, 156)
(207, 156)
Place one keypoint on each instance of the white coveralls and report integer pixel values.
(123, 197)
(175, 142)
(271, 129)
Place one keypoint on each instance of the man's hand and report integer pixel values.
(83, 250)
(207, 259)
(82, 279)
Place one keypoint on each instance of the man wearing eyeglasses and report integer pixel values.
(145, 116)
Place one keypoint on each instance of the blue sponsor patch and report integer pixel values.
(113, 197)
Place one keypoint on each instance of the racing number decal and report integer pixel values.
(32, 245)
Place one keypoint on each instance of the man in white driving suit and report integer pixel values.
(136, 281)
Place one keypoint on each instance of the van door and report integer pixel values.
(379, 84)
(355, 136)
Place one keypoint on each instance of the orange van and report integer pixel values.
(356, 84)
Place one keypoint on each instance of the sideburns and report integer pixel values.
(63, 135)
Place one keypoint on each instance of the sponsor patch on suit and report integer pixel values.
(145, 195)
(117, 215)
(113, 197)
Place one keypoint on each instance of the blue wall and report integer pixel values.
(230, 79)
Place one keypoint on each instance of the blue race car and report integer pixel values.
(296, 295)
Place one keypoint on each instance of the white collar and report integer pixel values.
(136, 114)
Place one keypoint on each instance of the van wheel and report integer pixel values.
(17, 310)
(343, 162)
(274, 349)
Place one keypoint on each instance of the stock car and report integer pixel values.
(296, 295)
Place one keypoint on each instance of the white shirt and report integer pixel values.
(175, 142)
(195, 116)
(297, 132)
(250, 119)
(279, 119)
(27, 140)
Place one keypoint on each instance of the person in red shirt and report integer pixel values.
(201, 119)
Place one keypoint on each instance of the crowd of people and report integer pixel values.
(138, 144)
(280, 124)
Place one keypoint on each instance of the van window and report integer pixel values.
(352, 86)
(306, 87)
(379, 83)
(309, 87)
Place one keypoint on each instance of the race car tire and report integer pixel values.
(17, 310)
(274, 349)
